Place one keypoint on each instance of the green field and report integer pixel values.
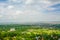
(29, 32)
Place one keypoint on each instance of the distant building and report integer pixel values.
(12, 29)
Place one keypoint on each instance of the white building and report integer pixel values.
(12, 29)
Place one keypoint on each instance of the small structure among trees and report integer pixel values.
(12, 29)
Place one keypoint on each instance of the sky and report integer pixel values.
(23, 11)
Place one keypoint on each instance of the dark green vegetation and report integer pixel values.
(30, 32)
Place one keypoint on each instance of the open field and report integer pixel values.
(29, 32)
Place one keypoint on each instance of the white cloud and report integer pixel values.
(29, 1)
(18, 12)
(10, 6)
(14, 0)
(54, 1)
(1, 16)
(45, 1)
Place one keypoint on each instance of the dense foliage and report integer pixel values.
(28, 32)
